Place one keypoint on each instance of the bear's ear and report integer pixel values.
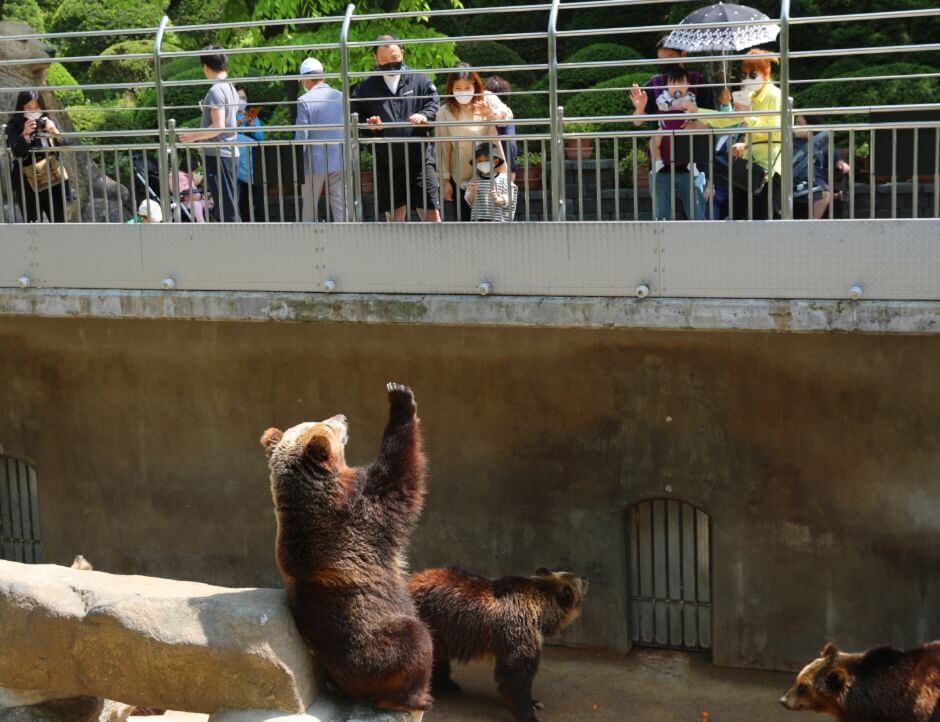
(317, 451)
(566, 597)
(270, 439)
(543, 572)
(829, 650)
(835, 680)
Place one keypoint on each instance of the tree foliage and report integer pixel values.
(25, 11)
(78, 15)
(112, 69)
(281, 62)
(58, 75)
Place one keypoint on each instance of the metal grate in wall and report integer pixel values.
(19, 512)
(670, 574)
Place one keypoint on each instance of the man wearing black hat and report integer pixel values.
(395, 96)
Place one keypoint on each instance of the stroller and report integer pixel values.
(147, 186)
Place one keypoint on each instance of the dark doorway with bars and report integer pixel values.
(19, 512)
(669, 546)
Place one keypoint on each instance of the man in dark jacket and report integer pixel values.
(394, 96)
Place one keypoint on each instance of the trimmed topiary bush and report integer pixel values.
(611, 97)
(579, 78)
(876, 92)
(24, 11)
(185, 95)
(77, 15)
(131, 70)
(196, 12)
(492, 53)
(59, 75)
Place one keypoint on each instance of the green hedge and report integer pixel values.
(579, 78)
(196, 12)
(131, 70)
(875, 92)
(59, 75)
(491, 53)
(24, 11)
(79, 15)
(615, 101)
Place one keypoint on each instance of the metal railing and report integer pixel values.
(606, 179)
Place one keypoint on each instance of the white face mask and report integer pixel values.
(242, 105)
(33, 114)
(483, 167)
(463, 96)
(752, 85)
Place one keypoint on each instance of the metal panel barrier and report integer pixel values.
(19, 512)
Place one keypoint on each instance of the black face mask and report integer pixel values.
(389, 67)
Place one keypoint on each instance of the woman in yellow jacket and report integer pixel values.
(465, 100)
(762, 147)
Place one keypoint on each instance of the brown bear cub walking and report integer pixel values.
(341, 534)
(472, 616)
(881, 685)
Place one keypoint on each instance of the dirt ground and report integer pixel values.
(644, 686)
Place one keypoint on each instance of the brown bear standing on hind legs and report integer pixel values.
(881, 685)
(472, 617)
(341, 534)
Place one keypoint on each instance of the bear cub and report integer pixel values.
(881, 685)
(341, 537)
(472, 616)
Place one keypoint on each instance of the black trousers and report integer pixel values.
(457, 209)
(220, 182)
(54, 208)
(251, 201)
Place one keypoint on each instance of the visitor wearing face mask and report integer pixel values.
(489, 194)
(666, 177)
(38, 190)
(465, 101)
(250, 194)
(763, 147)
(398, 95)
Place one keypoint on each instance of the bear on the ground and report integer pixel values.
(471, 616)
(881, 685)
(341, 537)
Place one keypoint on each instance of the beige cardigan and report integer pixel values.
(455, 157)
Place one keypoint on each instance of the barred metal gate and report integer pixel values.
(19, 512)
(670, 574)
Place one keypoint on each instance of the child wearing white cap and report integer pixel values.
(148, 211)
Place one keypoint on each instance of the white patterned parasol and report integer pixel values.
(744, 34)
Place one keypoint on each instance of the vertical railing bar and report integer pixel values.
(161, 110)
(914, 180)
(810, 175)
(280, 183)
(830, 151)
(668, 602)
(894, 173)
(546, 211)
(617, 179)
(34, 510)
(525, 177)
(653, 564)
(296, 185)
(117, 182)
(174, 193)
(408, 184)
(65, 205)
(597, 174)
(786, 123)
(871, 172)
(91, 186)
(351, 145)
(672, 176)
(936, 172)
(104, 185)
(852, 174)
(636, 182)
(580, 168)
(556, 114)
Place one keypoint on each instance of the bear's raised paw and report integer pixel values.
(401, 397)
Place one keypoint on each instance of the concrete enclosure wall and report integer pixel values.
(816, 456)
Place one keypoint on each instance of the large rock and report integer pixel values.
(150, 642)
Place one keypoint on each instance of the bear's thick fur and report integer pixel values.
(472, 616)
(341, 536)
(881, 685)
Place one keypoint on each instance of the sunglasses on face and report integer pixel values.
(753, 75)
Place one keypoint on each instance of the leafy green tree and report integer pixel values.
(195, 12)
(78, 15)
(418, 55)
(25, 11)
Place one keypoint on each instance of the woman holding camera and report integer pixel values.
(43, 188)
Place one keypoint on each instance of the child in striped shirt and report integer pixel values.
(490, 195)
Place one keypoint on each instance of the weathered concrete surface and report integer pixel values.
(645, 686)
(919, 317)
(323, 710)
(815, 454)
(76, 709)
(150, 642)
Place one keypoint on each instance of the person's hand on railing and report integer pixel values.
(418, 119)
(374, 120)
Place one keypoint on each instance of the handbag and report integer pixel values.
(46, 172)
(748, 175)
